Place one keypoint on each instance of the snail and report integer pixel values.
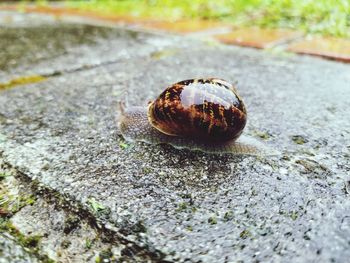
(205, 114)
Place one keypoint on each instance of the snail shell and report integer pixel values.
(204, 109)
(198, 114)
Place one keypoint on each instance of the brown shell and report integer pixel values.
(204, 109)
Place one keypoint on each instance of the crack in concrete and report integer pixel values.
(24, 80)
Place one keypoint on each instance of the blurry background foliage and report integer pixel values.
(327, 17)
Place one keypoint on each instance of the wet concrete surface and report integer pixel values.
(184, 205)
(35, 45)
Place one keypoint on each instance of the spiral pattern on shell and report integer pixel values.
(202, 109)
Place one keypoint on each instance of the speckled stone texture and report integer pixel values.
(185, 205)
(12, 252)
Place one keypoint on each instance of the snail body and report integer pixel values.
(198, 114)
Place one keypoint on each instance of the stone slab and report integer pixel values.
(185, 26)
(258, 37)
(188, 205)
(331, 48)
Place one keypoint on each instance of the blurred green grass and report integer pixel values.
(327, 17)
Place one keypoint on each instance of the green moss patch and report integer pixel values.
(22, 81)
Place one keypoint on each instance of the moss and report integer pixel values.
(21, 81)
(139, 227)
(163, 53)
(10, 203)
(189, 228)
(88, 244)
(16, 203)
(294, 215)
(105, 256)
(146, 170)
(97, 208)
(71, 223)
(313, 168)
(346, 187)
(245, 234)
(254, 192)
(228, 216)
(6, 226)
(262, 135)
(285, 158)
(65, 244)
(212, 220)
(32, 243)
(186, 195)
(4, 205)
(306, 236)
(123, 145)
(28, 200)
(186, 206)
(298, 139)
(181, 207)
(3, 175)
